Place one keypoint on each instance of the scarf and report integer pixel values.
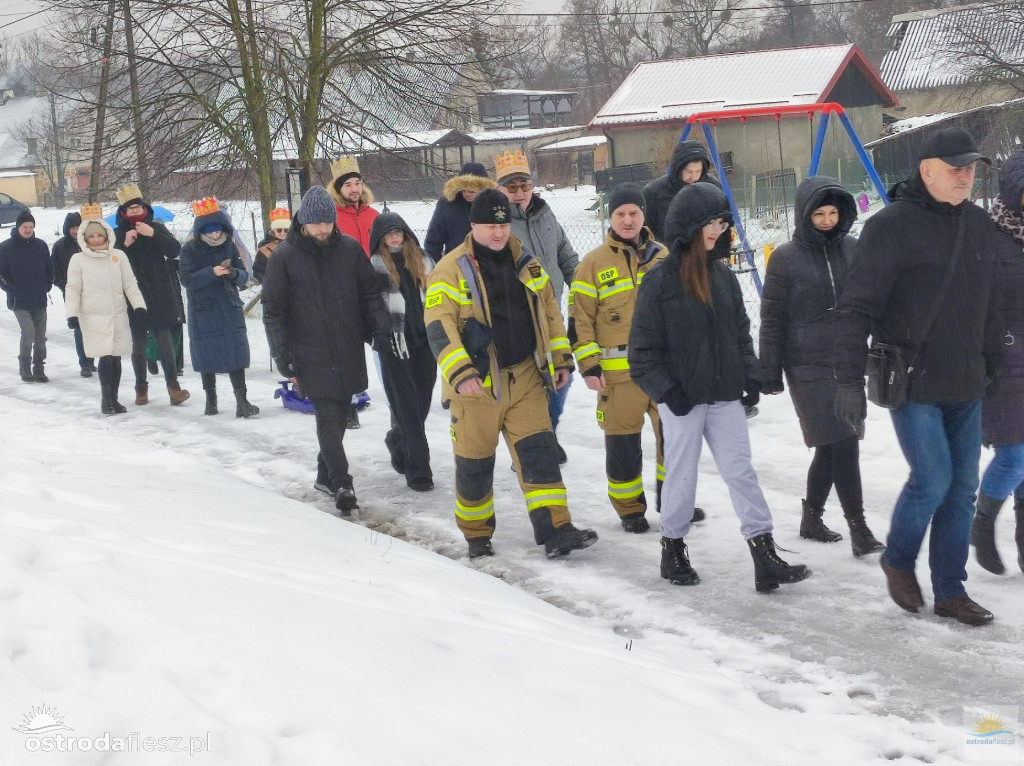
(395, 302)
(1009, 220)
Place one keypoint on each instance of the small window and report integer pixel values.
(726, 159)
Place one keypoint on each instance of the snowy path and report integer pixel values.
(834, 643)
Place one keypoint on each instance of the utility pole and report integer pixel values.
(58, 170)
(101, 107)
(133, 79)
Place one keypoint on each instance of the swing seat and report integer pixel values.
(290, 398)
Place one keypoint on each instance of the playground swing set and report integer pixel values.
(708, 121)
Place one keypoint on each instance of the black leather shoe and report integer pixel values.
(964, 609)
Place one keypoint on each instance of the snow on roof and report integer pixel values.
(912, 123)
(583, 142)
(16, 173)
(672, 90)
(929, 47)
(517, 92)
(520, 134)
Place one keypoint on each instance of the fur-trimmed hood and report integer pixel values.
(366, 198)
(467, 182)
(110, 238)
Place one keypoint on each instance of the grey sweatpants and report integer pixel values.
(33, 335)
(724, 426)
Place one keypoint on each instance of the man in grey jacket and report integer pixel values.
(535, 225)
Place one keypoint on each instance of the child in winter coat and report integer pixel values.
(99, 279)
(212, 273)
(408, 369)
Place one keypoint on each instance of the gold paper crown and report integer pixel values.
(128, 192)
(280, 214)
(205, 206)
(508, 164)
(92, 212)
(344, 165)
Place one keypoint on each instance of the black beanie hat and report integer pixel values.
(490, 206)
(25, 216)
(625, 194)
(473, 169)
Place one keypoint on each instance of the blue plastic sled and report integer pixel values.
(291, 400)
(361, 401)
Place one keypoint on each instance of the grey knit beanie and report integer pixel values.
(317, 206)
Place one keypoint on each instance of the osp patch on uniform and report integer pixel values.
(433, 300)
(607, 275)
(600, 416)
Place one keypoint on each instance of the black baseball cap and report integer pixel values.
(954, 146)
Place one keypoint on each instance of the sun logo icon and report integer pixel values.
(989, 725)
(42, 720)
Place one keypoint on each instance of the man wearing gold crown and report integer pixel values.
(280, 222)
(535, 225)
(152, 252)
(353, 199)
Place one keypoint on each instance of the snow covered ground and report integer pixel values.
(166, 574)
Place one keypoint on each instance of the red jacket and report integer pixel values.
(355, 221)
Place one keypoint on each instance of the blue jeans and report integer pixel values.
(83, 360)
(942, 445)
(1005, 473)
(556, 403)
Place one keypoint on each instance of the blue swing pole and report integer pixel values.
(862, 153)
(819, 144)
(745, 248)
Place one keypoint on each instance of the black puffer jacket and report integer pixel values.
(319, 305)
(153, 260)
(63, 249)
(26, 272)
(900, 261)
(449, 225)
(677, 340)
(802, 285)
(658, 193)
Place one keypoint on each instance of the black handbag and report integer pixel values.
(888, 368)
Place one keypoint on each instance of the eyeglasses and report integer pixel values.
(717, 225)
(525, 186)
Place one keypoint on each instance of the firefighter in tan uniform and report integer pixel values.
(601, 302)
(494, 326)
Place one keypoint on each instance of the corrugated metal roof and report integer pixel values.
(519, 134)
(583, 142)
(657, 91)
(928, 47)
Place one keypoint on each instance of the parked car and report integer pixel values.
(10, 208)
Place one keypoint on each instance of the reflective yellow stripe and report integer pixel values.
(540, 498)
(614, 364)
(475, 512)
(619, 286)
(626, 490)
(441, 289)
(587, 349)
(583, 288)
(536, 285)
(640, 277)
(560, 343)
(446, 363)
(661, 472)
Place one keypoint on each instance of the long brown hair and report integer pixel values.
(413, 261)
(694, 271)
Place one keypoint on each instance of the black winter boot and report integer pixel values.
(861, 539)
(211, 401)
(352, 419)
(25, 370)
(567, 538)
(636, 523)
(1018, 509)
(675, 563)
(480, 546)
(813, 528)
(345, 500)
(769, 569)
(983, 534)
(243, 409)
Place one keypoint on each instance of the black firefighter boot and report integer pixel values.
(25, 370)
(243, 409)
(211, 399)
(862, 540)
(769, 569)
(983, 534)
(813, 528)
(37, 373)
(1018, 509)
(675, 564)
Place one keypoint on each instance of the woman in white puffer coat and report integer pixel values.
(99, 280)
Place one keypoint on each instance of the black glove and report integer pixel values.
(73, 323)
(775, 387)
(675, 399)
(752, 393)
(286, 369)
(851, 405)
(140, 314)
